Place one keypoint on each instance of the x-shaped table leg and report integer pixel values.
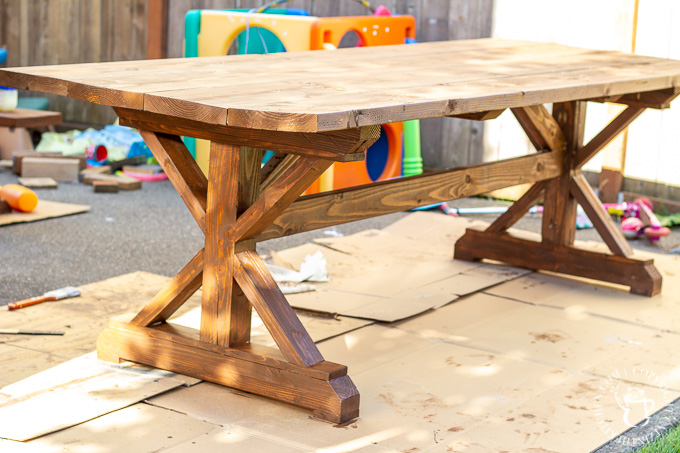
(233, 206)
(563, 132)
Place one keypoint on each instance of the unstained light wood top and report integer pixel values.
(332, 90)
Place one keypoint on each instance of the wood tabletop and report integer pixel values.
(333, 90)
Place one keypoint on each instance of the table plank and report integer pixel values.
(29, 118)
(317, 91)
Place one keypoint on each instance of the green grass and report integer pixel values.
(668, 443)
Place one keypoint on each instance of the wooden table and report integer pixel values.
(315, 108)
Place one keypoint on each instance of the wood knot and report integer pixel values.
(468, 179)
(540, 167)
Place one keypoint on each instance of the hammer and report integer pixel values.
(57, 294)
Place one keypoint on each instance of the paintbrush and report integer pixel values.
(57, 294)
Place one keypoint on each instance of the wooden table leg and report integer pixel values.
(556, 251)
(233, 206)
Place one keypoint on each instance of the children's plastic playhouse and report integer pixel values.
(222, 32)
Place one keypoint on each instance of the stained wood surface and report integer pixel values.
(29, 118)
(641, 275)
(335, 400)
(173, 295)
(385, 197)
(603, 222)
(559, 212)
(220, 218)
(317, 91)
(278, 316)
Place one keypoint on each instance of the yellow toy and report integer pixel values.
(219, 30)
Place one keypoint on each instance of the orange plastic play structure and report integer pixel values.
(372, 30)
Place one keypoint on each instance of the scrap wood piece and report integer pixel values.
(63, 170)
(119, 164)
(124, 182)
(105, 187)
(100, 170)
(18, 157)
(86, 386)
(38, 183)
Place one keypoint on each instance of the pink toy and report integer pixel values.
(639, 219)
(631, 226)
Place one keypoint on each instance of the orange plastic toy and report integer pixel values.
(19, 197)
(372, 30)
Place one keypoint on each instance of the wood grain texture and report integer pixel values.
(29, 118)
(598, 215)
(518, 209)
(279, 195)
(559, 211)
(540, 126)
(249, 190)
(660, 99)
(640, 275)
(317, 91)
(336, 400)
(334, 145)
(609, 133)
(173, 295)
(385, 197)
(261, 355)
(181, 168)
(277, 315)
(220, 219)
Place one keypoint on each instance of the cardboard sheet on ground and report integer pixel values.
(565, 339)
(136, 429)
(604, 299)
(74, 392)
(81, 318)
(420, 396)
(574, 417)
(44, 210)
(388, 277)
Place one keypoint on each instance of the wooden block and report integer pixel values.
(119, 164)
(62, 170)
(124, 182)
(101, 170)
(146, 169)
(38, 183)
(18, 157)
(5, 208)
(105, 186)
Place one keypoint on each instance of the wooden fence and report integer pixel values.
(40, 32)
(43, 32)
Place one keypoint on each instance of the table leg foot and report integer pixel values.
(324, 388)
(641, 275)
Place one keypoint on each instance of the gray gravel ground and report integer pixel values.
(151, 230)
